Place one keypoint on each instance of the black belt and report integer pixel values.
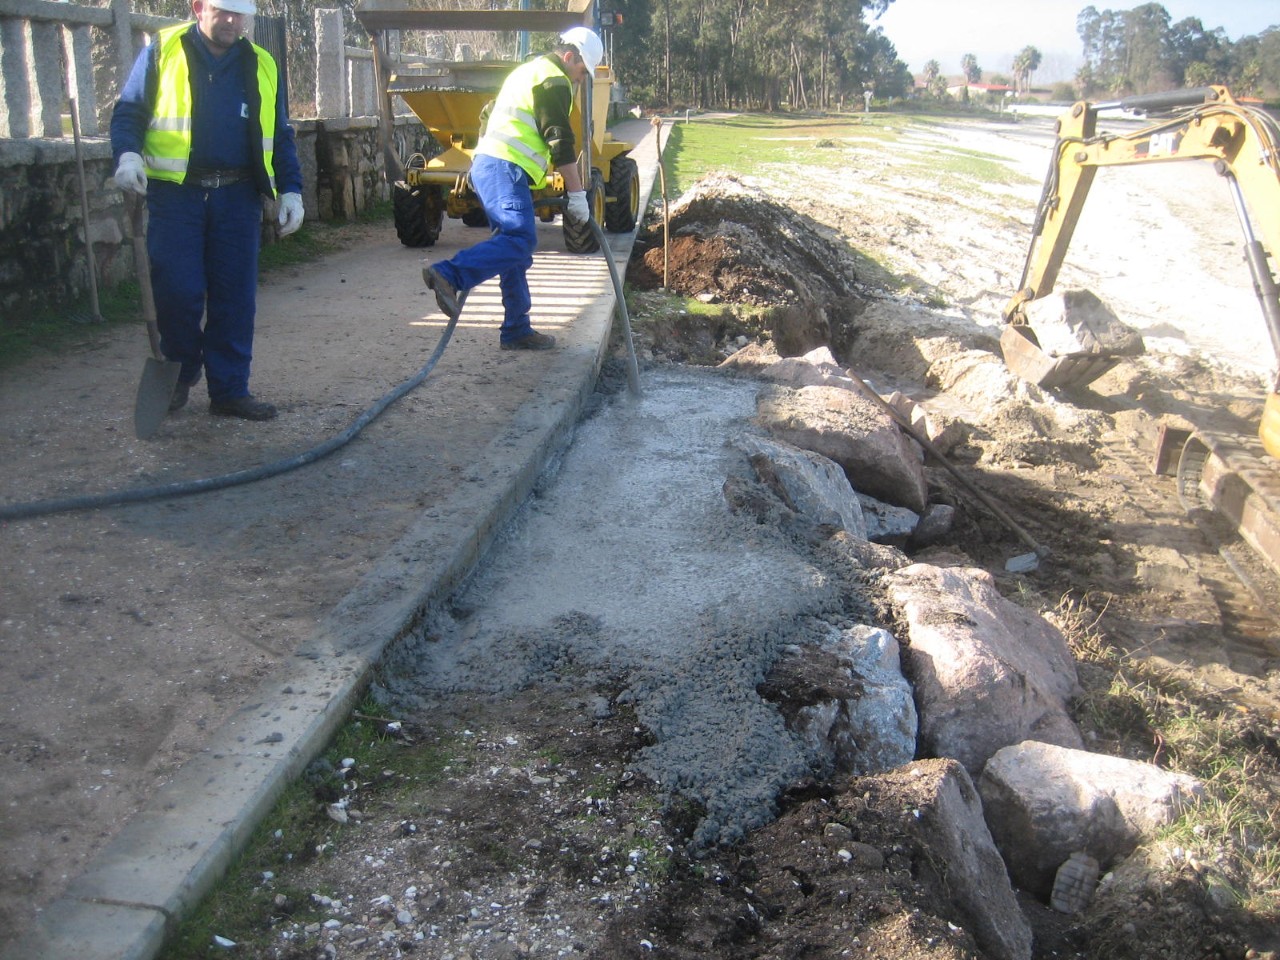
(212, 179)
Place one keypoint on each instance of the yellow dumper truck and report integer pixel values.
(450, 97)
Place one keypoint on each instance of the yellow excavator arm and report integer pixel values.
(1204, 123)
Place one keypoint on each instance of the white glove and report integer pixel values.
(577, 209)
(291, 213)
(131, 176)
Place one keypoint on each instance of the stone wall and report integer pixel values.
(42, 261)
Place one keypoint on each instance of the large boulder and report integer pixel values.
(820, 368)
(816, 368)
(1044, 802)
(808, 483)
(987, 672)
(948, 811)
(1076, 321)
(847, 700)
(854, 432)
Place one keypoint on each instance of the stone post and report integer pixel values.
(113, 59)
(46, 63)
(361, 84)
(331, 80)
(15, 78)
(79, 53)
(121, 39)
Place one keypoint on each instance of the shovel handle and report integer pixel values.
(142, 263)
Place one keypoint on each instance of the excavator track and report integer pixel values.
(1231, 490)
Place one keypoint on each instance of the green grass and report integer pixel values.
(777, 148)
(747, 144)
(299, 830)
(755, 144)
(58, 329)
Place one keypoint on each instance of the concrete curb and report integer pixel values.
(170, 856)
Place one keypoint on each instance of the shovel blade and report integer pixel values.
(155, 390)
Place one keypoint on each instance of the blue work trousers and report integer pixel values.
(508, 254)
(203, 246)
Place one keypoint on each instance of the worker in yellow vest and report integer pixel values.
(527, 134)
(202, 130)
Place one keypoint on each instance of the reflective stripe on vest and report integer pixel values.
(512, 131)
(166, 148)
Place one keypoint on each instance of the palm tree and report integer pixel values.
(1024, 64)
(932, 70)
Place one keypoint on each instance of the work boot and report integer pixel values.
(246, 408)
(447, 298)
(532, 341)
(181, 391)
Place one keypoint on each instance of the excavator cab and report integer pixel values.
(1237, 479)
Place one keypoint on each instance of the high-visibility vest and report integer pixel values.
(512, 129)
(166, 147)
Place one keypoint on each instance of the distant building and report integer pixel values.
(956, 88)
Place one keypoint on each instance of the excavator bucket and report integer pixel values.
(1229, 485)
(1025, 360)
(1067, 340)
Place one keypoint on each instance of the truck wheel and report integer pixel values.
(476, 218)
(578, 237)
(623, 196)
(419, 214)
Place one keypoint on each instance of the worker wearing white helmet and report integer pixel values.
(245, 8)
(528, 133)
(588, 45)
(202, 131)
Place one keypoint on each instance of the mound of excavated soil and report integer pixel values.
(728, 241)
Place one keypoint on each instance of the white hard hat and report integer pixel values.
(588, 45)
(234, 6)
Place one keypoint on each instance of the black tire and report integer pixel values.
(419, 214)
(579, 237)
(623, 195)
(476, 218)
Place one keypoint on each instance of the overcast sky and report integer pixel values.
(995, 30)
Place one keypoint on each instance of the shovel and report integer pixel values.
(159, 376)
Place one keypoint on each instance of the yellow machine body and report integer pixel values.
(448, 97)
